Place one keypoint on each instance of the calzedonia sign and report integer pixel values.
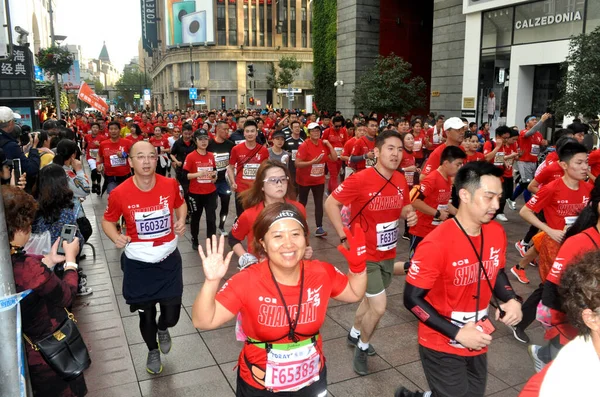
(549, 20)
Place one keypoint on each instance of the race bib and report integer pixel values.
(410, 177)
(317, 170)
(94, 153)
(370, 162)
(535, 150)
(291, 370)
(207, 178)
(569, 220)
(460, 318)
(348, 171)
(294, 152)
(436, 138)
(440, 207)
(338, 151)
(249, 171)
(153, 224)
(387, 235)
(418, 145)
(222, 160)
(499, 159)
(116, 161)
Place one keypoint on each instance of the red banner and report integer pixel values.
(87, 95)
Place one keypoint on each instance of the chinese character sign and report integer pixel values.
(18, 66)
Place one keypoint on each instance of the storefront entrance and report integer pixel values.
(545, 88)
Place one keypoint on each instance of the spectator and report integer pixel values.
(12, 150)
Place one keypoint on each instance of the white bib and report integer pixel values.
(418, 145)
(153, 224)
(249, 171)
(441, 207)
(317, 170)
(387, 235)
(222, 160)
(499, 159)
(94, 153)
(291, 370)
(207, 179)
(338, 151)
(116, 161)
(460, 318)
(535, 150)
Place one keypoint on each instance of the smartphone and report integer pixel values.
(66, 234)
(17, 170)
(485, 325)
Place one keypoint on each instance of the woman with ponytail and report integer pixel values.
(581, 238)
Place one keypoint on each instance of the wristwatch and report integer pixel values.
(518, 299)
(343, 239)
(437, 214)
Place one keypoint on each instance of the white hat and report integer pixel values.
(453, 123)
(7, 114)
(170, 126)
(128, 119)
(312, 126)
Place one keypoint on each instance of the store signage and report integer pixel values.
(149, 28)
(548, 20)
(435, 93)
(469, 102)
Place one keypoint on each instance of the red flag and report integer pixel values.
(87, 95)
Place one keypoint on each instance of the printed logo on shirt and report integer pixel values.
(468, 273)
(413, 270)
(276, 317)
(313, 295)
(461, 262)
(267, 299)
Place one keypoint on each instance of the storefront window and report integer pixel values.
(232, 24)
(593, 16)
(497, 28)
(548, 20)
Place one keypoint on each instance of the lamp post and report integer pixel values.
(54, 39)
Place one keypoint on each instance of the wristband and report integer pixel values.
(72, 264)
(343, 240)
(437, 214)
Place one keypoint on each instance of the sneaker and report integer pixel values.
(320, 232)
(354, 341)
(520, 335)
(405, 236)
(153, 364)
(195, 245)
(404, 392)
(520, 275)
(84, 291)
(360, 361)
(538, 364)
(533, 263)
(164, 341)
(502, 218)
(82, 282)
(511, 204)
(522, 248)
(222, 232)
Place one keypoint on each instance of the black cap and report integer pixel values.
(200, 133)
(278, 134)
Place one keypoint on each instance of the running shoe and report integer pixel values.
(354, 341)
(520, 335)
(502, 218)
(195, 245)
(84, 290)
(404, 392)
(511, 204)
(534, 263)
(222, 232)
(164, 341)
(520, 275)
(538, 364)
(521, 247)
(153, 364)
(405, 236)
(320, 232)
(360, 361)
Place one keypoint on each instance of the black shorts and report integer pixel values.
(451, 375)
(317, 389)
(176, 301)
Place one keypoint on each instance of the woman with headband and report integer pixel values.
(272, 185)
(283, 301)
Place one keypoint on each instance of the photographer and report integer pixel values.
(12, 150)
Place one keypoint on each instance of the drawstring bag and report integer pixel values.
(38, 243)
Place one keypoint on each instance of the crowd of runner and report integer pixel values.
(441, 183)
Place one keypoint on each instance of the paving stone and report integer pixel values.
(230, 372)
(509, 361)
(339, 358)
(201, 382)
(132, 328)
(222, 344)
(127, 390)
(397, 344)
(382, 383)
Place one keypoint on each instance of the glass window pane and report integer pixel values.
(593, 16)
(497, 28)
(548, 20)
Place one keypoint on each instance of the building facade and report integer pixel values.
(214, 41)
(33, 16)
(513, 49)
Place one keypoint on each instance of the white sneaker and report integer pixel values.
(502, 218)
(511, 204)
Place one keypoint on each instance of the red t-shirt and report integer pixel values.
(549, 173)
(252, 292)
(196, 162)
(408, 160)
(433, 162)
(594, 162)
(134, 140)
(337, 138)
(92, 144)
(242, 227)
(419, 144)
(246, 162)
(477, 156)
(530, 146)
(437, 191)
(534, 385)
(162, 143)
(148, 215)
(561, 205)
(435, 137)
(447, 266)
(148, 128)
(232, 125)
(314, 174)
(114, 157)
(348, 149)
(380, 218)
(363, 146)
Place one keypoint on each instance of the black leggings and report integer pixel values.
(225, 198)
(239, 208)
(96, 177)
(169, 316)
(317, 191)
(507, 190)
(207, 202)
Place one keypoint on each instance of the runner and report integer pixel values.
(135, 134)
(112, 158)
(337, 136)
(91, 146)
(292, 143)
(437, 133)
(151, 261)
(201, 169)
(470, 145)
(279, 317)
(421, 142)
(459, 268)
(272, 186)
(221, 147)
(181, 148)
(276, 151)
(363, 154)
(348, 147)
(161, 144)
(310, 163)
(455, 133)
(245, 159)
(379, 197)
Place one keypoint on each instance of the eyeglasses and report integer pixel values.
(336, 126)
(149, 158)
(276, 180)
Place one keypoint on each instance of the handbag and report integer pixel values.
(64, 350)
(85, 227)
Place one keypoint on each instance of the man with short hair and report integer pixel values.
(292, 143)
(91, 145)
(454, 276)
(337, 136)
(221, 147)
(437, 133)
(112, 158)
(181, 148)
(237, 136)
(363, 153)
(455, 133)
(30, 164)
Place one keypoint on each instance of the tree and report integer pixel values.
(272, 77)
(286, 72)
(132, 82)
(324, 53)
(580, 85)
(389, 87)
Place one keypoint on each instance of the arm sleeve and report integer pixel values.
(551, 297)
(534, 129)
(502, 289)
(414, 300)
